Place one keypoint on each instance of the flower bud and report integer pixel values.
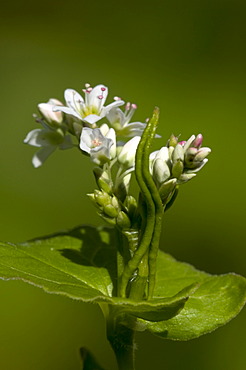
(173, 141)
(189, 156)
(177, 169)
(178, 154)
(102, 180)
(202, 154)
(130, 204)
(185, 177)
(197, 143)
(114, 202)
(110, 220)
(101, 198)
(128, 152)
(161, 171)
(189, 142)
(110, 210)
(46, 109)
(167, 189)
(123, 220)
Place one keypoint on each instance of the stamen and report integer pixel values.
(128, 106)
(89, 89)
(116, 98)
(87, 85)
(103, 88)
(134, 106)
(100, 97)
(96, 142)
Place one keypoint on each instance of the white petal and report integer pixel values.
(40, 157)
(104, 129)
(73, 99)
(106, 110)
(116, 115)
(95, 92)
(85, 139)
(91, 118)
(67, 110)
(32, 138)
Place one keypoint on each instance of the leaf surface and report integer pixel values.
(81, 264)
(217, 300)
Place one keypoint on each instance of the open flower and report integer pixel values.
(91, 109)
(48, 140)
(93, 142)
(120, 121)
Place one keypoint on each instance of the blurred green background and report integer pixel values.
(187, 57)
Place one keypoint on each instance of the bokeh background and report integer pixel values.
(187, 57)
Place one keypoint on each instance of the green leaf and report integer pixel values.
(217, 300)
(157, 309)
(89, 361)
(80, 264)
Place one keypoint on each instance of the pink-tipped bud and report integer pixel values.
(198, 141)
(182, 142)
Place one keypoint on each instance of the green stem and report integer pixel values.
(121, 339)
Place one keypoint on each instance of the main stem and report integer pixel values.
(121, 339)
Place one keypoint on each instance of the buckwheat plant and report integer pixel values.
(120, 267)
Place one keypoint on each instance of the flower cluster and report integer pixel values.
(78, 120)
(107, 135)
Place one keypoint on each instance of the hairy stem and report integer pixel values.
(121, 339)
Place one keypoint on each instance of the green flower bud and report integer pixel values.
(166, 190)
(173, 141)
(110, 210)
(102, 198)
(110, 220)
(131, 204)
(177, 169)
(102, 180)
(123, 220)
(115, 202)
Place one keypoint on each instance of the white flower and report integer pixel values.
(120, 121)
(48, 140)
(46, 109)
(91, 109)
(97, 145)
(128, 152)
